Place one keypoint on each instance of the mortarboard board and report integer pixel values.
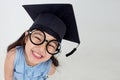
(57, 20)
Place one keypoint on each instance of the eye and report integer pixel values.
(39, 39)
(52, 46)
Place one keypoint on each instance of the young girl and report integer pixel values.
(31, 57)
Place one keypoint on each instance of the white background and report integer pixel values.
(98, 56)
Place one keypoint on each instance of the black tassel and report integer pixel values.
(70, 53)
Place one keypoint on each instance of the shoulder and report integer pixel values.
(9, 64)
(11, 54)
(10, 57)
(52, 69)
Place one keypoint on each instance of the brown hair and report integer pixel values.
(21, 42)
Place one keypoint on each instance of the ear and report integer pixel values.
(26, 36)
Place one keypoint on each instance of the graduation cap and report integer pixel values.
(57, 20)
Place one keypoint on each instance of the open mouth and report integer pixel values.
(36, 55)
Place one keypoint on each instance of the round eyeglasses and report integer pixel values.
(38, 37)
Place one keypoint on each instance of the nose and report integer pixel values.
(42, 48)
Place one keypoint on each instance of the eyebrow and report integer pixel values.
(39, 33)
(55, 43)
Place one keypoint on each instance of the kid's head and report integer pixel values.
(52, 23)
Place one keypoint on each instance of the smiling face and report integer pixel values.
(35, 54)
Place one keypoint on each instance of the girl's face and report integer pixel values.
(35, 54)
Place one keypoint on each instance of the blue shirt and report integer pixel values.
(24, 72)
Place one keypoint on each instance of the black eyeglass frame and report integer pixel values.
(58, 47)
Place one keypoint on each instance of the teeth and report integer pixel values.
(37, 55)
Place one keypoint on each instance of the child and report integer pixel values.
(31, 57)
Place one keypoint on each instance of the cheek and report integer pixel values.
(28, 43)
(28, 46)
(48, 56)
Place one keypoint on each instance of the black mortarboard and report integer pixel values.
(57, 20)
